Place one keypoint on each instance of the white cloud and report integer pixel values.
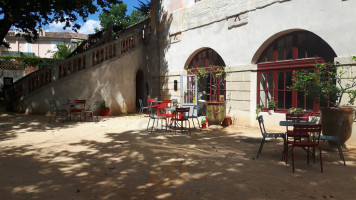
(54, 27)
(88, 27)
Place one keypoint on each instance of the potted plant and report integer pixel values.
(258, 110)
(104, 110)
(203, 123)
(326, 85)
(216, 106)
(296, 111)
(271, 106)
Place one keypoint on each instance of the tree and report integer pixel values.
(117, 16)
(144, 7)
(62, 52)
(32, 15)
(137, 16)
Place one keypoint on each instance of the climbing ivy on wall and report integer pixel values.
(23, 61)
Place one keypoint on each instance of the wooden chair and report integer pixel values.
(269, 135)
(307, 142)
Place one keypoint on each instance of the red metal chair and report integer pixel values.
(290, 133)
(162, 110)
(78, 107)
(306, 142)
(168, 102)
(180, 116)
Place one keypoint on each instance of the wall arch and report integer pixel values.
(280, 58)
(274, 37)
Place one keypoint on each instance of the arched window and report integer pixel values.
(209, 58)
(295, 51)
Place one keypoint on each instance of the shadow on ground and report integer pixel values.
(114, 159)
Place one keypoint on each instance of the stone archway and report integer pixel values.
(205, 58)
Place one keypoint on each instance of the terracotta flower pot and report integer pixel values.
(329, 120)
(215, 112)
(104, 112)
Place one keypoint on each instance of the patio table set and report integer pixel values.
(72, 109)
(305, 134)
(168, 111)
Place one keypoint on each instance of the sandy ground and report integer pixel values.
(118, 159)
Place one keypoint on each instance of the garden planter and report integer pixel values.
(104, 112)
(329, 120)
(270, 112)
(215, 112)
(203, 126)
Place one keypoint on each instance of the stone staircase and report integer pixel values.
(30, 88)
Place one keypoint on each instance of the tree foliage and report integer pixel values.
(24, 61)
(32, 15)
(326, 83)
(144, 7)
(117, 16)
(62, 52)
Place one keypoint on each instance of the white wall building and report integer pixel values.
(262, 42)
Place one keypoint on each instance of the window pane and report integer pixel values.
(309, 105)
(301, 43)
(270, 96)
(310, 46)
(280, 48)
(263, 81)
(280, 101)
(288, 101)
(269, 54)
(288, 47)
(270, 81)
(288, 79)
(300, 100)
(263, 98)
(281, 80)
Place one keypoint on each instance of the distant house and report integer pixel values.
(45, 45)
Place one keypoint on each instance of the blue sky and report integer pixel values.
(92, 21)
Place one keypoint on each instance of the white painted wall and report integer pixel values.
(240, 41)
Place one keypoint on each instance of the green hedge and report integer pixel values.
(23, 61)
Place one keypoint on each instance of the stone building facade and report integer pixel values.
(262, 42)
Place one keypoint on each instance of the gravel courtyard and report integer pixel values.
(118, 159)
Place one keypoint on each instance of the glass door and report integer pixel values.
(189, 90)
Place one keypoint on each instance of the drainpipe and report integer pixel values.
(158, 49)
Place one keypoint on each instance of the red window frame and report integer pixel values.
(312, 49)
(286, 66)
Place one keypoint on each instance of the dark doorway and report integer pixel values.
(140, 91)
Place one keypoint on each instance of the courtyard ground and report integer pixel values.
(118, 159)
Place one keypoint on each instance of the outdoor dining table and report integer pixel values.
(70, 105)
(292, 123)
